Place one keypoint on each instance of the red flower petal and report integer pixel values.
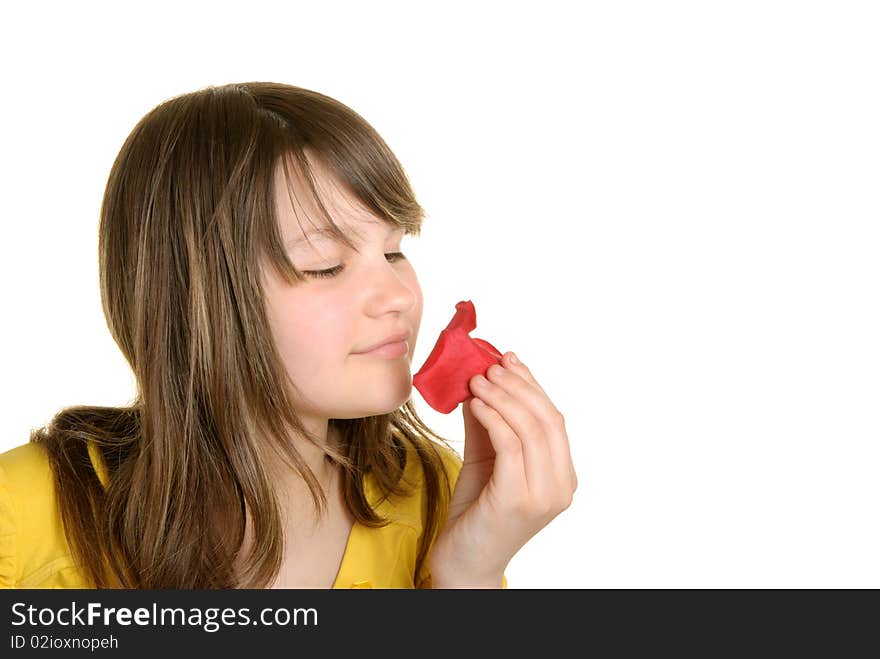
(456, 358)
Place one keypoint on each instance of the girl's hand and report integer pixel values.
(516, 476)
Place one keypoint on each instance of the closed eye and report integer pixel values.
(332, 272)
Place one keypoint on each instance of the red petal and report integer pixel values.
(456, 358)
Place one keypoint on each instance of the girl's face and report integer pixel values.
(320, 324)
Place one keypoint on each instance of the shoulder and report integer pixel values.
(449, 457)
(32, 541)
(24, 462)
(26, 481)
(451, 461)
(411, 510)
(415, 467)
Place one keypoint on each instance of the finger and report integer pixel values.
(521, 386)
(530, 431)
(509, 471)
(522, 370)
(521, 382)
(479, 448)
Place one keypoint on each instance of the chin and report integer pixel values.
(381, 401)
(396, 399)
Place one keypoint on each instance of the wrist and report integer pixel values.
(495, 583)
(447, 575)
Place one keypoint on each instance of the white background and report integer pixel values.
(668, 210)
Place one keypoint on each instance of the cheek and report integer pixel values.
(309, 331)
(416, 314)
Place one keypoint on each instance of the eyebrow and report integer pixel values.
(325, 233)
(314, 233)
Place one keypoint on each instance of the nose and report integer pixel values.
(390, 289)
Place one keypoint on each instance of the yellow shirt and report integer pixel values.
(34, 552)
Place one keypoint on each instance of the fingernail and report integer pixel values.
(513, 359)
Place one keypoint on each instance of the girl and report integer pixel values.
(249, 251)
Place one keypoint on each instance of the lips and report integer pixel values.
(394, 338)
(456, 358)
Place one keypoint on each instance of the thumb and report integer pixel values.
(477, 444)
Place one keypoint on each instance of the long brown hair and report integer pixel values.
(187, 215)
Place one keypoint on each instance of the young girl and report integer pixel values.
(249, 252)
